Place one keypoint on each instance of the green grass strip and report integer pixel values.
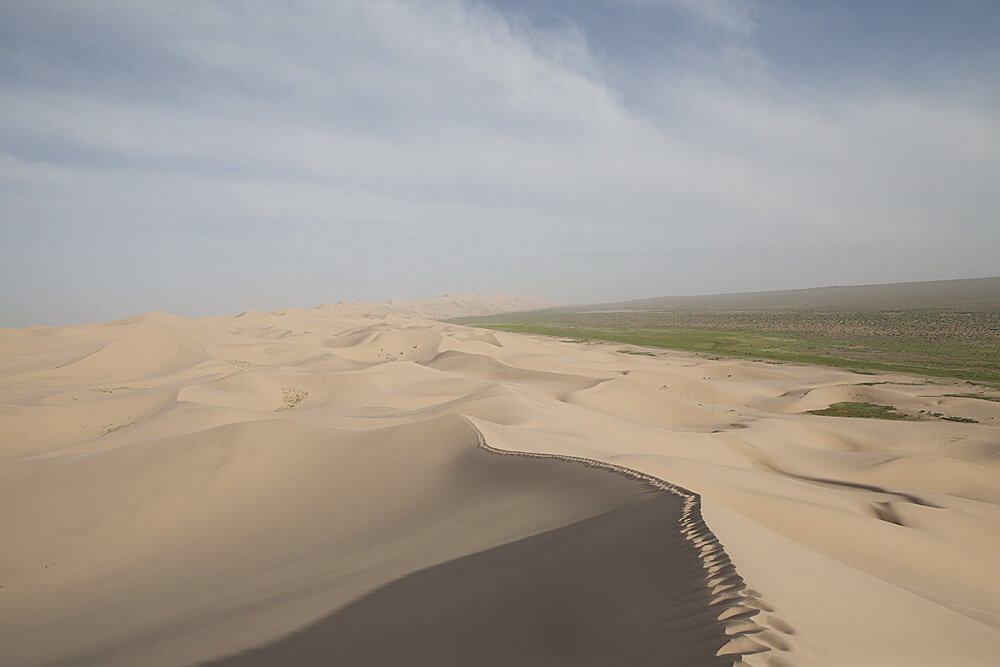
(981, 397)
(850, 355)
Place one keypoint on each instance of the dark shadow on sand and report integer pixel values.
(622, 588)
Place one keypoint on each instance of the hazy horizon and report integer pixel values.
(203, 159)
(195, 314)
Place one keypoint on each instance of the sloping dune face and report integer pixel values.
(345, 485)
(308, 487)
(597, 591)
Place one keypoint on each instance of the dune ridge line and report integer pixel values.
(729, 589)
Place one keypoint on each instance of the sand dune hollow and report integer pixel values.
(347, 485)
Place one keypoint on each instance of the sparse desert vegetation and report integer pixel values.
(241, 363)
(111, 427)
(291, 398)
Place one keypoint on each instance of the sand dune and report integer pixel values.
(449, 305)
(331, 484)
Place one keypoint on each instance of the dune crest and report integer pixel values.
(450, 305)
(238, 488)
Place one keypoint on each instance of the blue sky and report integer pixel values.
(207, 157)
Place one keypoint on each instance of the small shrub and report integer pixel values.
(111, 428)
(291, 398)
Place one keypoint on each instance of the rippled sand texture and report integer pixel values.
(296, 485)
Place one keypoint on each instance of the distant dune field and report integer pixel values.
(354, 485)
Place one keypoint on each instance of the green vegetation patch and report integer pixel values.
(876, 411)
(642, 354)
(981, 397)
(863, 411)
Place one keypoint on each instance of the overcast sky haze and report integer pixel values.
(202, 158)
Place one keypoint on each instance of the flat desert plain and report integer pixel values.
(355, 484)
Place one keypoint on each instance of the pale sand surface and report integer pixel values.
(174, 491)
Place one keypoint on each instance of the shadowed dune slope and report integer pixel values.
(622, 587)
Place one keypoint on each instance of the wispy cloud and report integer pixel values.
(470, 140)
(732, 16)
